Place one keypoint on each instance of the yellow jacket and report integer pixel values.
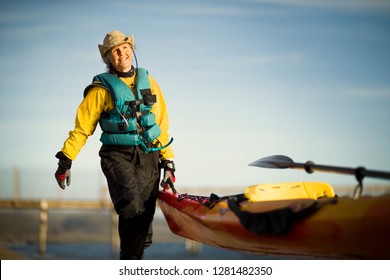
(99, 100)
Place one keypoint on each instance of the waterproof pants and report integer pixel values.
(133, 180)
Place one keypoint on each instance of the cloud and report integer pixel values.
(188, 8)
(380, 5)
(244, 8)
(370, 93)
(268, 59)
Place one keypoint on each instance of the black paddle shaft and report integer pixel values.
(281, 162)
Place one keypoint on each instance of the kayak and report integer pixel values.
(299, 219)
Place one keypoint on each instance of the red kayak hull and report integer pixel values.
(345, 229)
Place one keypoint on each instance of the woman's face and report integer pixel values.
(121, 57)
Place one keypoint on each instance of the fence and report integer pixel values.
(45, 205)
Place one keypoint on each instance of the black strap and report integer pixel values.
(273, 222)
(277, 221)
(148, 98)
(136, 114)
(134, 103)
(94, 84)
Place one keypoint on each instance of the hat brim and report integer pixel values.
(104, 49)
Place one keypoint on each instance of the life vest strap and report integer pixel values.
(154, 149)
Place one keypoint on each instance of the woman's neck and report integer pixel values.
(127, 74)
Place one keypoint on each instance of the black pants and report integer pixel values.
(133, 180)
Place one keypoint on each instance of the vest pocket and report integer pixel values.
(120, 139)
(152, 133)
(148, 120)
(118, 125)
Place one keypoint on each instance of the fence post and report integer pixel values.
(16, 183)
(43, 205)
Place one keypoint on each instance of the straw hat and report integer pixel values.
(112, 39)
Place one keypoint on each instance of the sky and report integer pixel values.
(309, 79)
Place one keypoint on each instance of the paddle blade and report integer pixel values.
(276, 161)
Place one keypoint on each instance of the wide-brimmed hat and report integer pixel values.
(112, 39)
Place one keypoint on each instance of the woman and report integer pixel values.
(130, 108)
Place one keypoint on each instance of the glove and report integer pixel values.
(169, 175)
(63, 175)
(63, 171)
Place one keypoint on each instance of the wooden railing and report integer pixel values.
(45, 205)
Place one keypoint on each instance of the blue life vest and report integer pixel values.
(130, 122)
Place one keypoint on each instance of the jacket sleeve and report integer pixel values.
(87, 117)
(162, 119)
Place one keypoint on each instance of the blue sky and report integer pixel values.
(242, 80)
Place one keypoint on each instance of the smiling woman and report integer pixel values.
(130, 108)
